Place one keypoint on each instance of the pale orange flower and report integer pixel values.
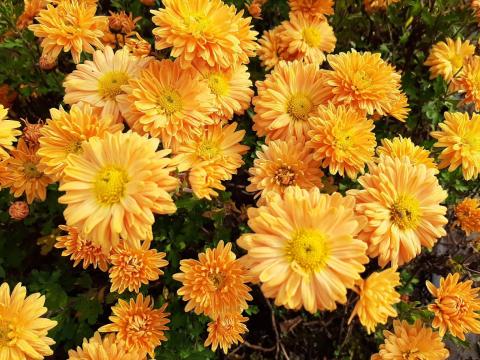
(132, 267)
(456, 306)
(138, 324)
(214, 284)
(402, 203)
(24, 330)
(304, 248)
(459, 135)
(342, 140)
(281, 164)
(226, 331)
(467, 213)
(315, 8)
(69, 26)
(270, 51)
(80, 249)
(414, 341)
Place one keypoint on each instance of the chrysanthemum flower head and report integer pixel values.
(108, 347)
(226, 331)
(447, 58)
(65, 132)
(377, 296)
(456, 306)
(30, 10)
(399, 147)
(212, 156)
(138, 46)
(167, 102)
(304, 248)
(215, 283)
(69, 26)
(306, 38)
(459, 135)
(115, 185)
(467, 213)
(342, 140)
(364, 82)
(414, 341)
(402, 203)
(287, 100)
(270, 50)
(26, 177)
(232, 90)
(131, 267)
(80, 249)
(204, 32)
(100, 81)
(314, 8)
(138, 324)
(281, 164)
(24, 332)
(469, 82)
(8, 133)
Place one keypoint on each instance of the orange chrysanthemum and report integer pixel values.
(30, 11)
(26, 176)
(113, 188)
(212, 157)
(281, 164)
(411, 342)
(215, 283)
(456, 306)
(378, 5)
(469, 82)
(402, 203)
(8, 133)
(270, 51)
(342, 140)
(306, 38)
(167, 102)
(460, 136)
(399, 147)
(314, 8)
(138, 324)
(71, 26)
(80, 249)
(364, 82)
(377, 296)
(447, 58)
(138, 46)
(467, 213)
(304, 248)
(100, 81)
(65, 132)
(24, 332)
(109, 348)
(132, 267)
(232, 90)
(226, 331)
(287, 101)
(204, 32)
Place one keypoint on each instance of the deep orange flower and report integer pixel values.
(226, 331)
(468, 215)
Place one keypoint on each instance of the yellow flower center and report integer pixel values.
(312, 36)
(343, 141)
(457, 63)
(285, 176)
(473, 141)
(361, 81)
(110, 84)
(405, 212)
(208, 150)
(299, 106)
(218, 84)
(74, 147)
(309, 249)
(30, 170)
(170, 101)
(6, 329)
(197, 24)
(110, 184)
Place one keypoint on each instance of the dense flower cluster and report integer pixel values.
(140, 129)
